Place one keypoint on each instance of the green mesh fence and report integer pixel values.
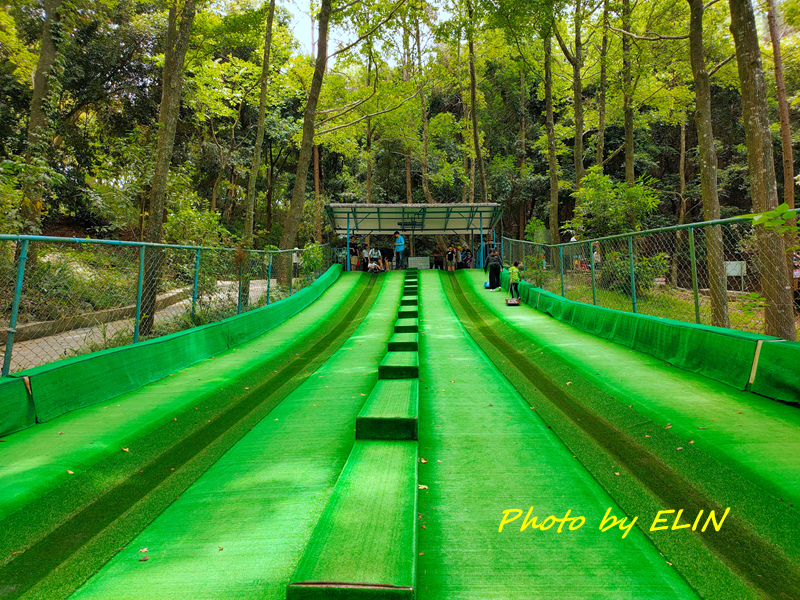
(62, 297)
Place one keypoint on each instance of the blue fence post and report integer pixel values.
(138, 321)
(594, 281)
(633, 272)
(561, 268)
(695, 292)
(481, 250)
(12, 326)
(347, 257)
(269, 276)
(196, 280)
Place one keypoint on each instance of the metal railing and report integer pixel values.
(720, 273)
(62, 297)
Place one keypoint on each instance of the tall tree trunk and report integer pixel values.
(292, 224)
(717, 280)
(555, 237)
(262, 112)
(786, 131)
(627, 93)
(407, 77)
(317, 199)
(37, 142)
(682, 208)
(774, 270)
(424, 112)
(577, 95)
(601, 93)
(369, 161)
(523, 95)
(177, 44)
(473, 94)
(409, 198)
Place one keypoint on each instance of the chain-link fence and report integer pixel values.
(63, 297)
(728, 273)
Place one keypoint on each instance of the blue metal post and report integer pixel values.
(594, 280)
(196, 280)
(139, 296)
(561, 267)
(693, 257)
(633, 272)
(12, 326)
(481, 224)
(347, 258)
(269, 277)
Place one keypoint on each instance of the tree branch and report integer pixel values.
(654, 37)
(564, 47)
(371, 31)
(362, 118)
(613, 154)
(720, 65)
(345, 7)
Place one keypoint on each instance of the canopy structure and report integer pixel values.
(417, 219)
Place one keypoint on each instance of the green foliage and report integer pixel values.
(532, 228)
(781, 220)
(312, 259)
(615, 273)
(606, 207)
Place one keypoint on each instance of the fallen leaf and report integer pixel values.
(143, 550)
(422, 554)
(60, 433)
(423, 461)
(701, 427)
(680, 448)
(691, 441)
(70, 472)
(424, 527)
(220, 548)
(144, 558)
(438, 461)
(645, 435)
(175, 419)
(569, 383)
(668, 426)
(423, 487)
(617, 474)
(125, 450)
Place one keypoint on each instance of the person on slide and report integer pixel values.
(494, 265)
(513, 286)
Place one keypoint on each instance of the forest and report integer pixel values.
(204, 122)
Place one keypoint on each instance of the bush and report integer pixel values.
(615, 273)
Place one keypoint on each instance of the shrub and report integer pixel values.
(615, 273)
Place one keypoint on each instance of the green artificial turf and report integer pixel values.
(748, 432)
(391, 411)
(36, 460)
(647, 466)
(404, 342)
(85, 521)
(365, 541)
(240, 530)
(399, 365)
(486, 451)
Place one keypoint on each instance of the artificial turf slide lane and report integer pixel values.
(487, 452)
(644, 463)
(749, 432)
(364, 545)
(58, 540)
(36, 460)
(240, 530)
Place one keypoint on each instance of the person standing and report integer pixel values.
(450, 258)
(353, 254)
(399, 248)
(375, 257)
(513, 285)
(438, 258)
(494, 265)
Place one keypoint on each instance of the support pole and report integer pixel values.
(561, 268)
(138, 321)
(196, 280)
(347, 258)
(12, 326)
(594, 280)
(472, 248)
(481, 224)
(633, 272)
(239, 295)
(269, 277)
(695, 291)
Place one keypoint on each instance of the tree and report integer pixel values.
(177, 43)
(775, 274)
